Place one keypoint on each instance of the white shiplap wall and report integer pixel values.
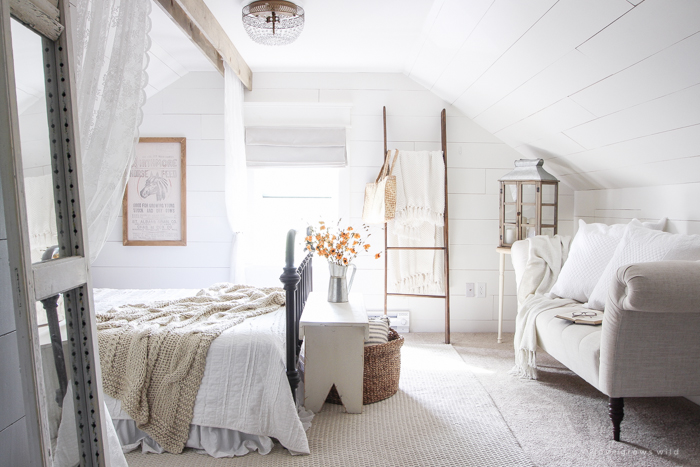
(192, 107)
(649, 203)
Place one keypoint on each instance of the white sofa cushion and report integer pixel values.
(577, 346)
(641, 245)
(591, 251)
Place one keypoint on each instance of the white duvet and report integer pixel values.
(245, 386)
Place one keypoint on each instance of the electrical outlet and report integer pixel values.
(481, 289)
(470, 289)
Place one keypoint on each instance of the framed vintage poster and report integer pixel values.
(154, 206)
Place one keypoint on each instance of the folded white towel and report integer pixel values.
(420, 191)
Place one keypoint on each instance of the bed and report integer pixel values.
(247, 395)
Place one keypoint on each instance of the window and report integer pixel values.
(281, 199)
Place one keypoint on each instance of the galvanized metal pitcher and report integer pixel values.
(338, 286)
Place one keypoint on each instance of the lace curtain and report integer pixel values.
(236, 172)
(110, 47)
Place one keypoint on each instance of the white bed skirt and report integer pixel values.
(217, 442)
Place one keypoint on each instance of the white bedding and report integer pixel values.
(244, 387)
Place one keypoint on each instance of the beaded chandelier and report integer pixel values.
(273, 22)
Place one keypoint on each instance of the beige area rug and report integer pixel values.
(441, 416)
(560, 420)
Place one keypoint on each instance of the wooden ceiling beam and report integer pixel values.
(199, 24)
(180, 17)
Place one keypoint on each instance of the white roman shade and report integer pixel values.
(295, 147)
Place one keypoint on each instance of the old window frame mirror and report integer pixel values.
(69, 274)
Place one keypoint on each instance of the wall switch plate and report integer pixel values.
(481, 289)
(470, 289)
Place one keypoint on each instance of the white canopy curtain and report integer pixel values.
(236, 190)
(111, 45)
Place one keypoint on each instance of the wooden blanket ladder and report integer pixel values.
(444, 248)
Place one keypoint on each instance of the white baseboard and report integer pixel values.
(695, 399)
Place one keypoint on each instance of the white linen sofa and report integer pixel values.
(649, 342)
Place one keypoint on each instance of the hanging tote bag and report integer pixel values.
(390, 190)
(380, 196)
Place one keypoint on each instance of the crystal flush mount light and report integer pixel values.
(273, 22)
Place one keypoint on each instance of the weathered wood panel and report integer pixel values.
(39, 15)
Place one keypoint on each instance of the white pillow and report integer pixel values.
(658, 225)
(378, 331)
(591, 250)
(640, 245)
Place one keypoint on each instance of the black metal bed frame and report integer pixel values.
(297, 284)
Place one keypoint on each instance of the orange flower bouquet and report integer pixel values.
(338, 246)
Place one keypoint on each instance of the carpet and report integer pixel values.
(561, 420)
(441, 416)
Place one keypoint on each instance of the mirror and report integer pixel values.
(41, 217)
(34, 139)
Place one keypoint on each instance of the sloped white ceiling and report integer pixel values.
(607, 91)
(172, 54)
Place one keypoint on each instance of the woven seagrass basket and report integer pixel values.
(382, 371)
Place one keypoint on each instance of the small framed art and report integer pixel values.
(154, 207)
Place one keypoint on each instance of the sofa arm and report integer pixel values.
(650, 339)
(664, 286)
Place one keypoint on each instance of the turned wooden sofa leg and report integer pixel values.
(616, 412)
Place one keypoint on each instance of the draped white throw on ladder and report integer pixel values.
(420, 210)
(420, 196)
(110, 47)
(236, 190)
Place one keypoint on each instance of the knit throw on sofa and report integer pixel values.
(153, 355)
(546, 256)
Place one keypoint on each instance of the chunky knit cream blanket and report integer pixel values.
(153, 355)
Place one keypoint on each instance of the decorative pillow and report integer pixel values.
(659, 225)
(378, 331)
(640, 245)
(591, 250)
